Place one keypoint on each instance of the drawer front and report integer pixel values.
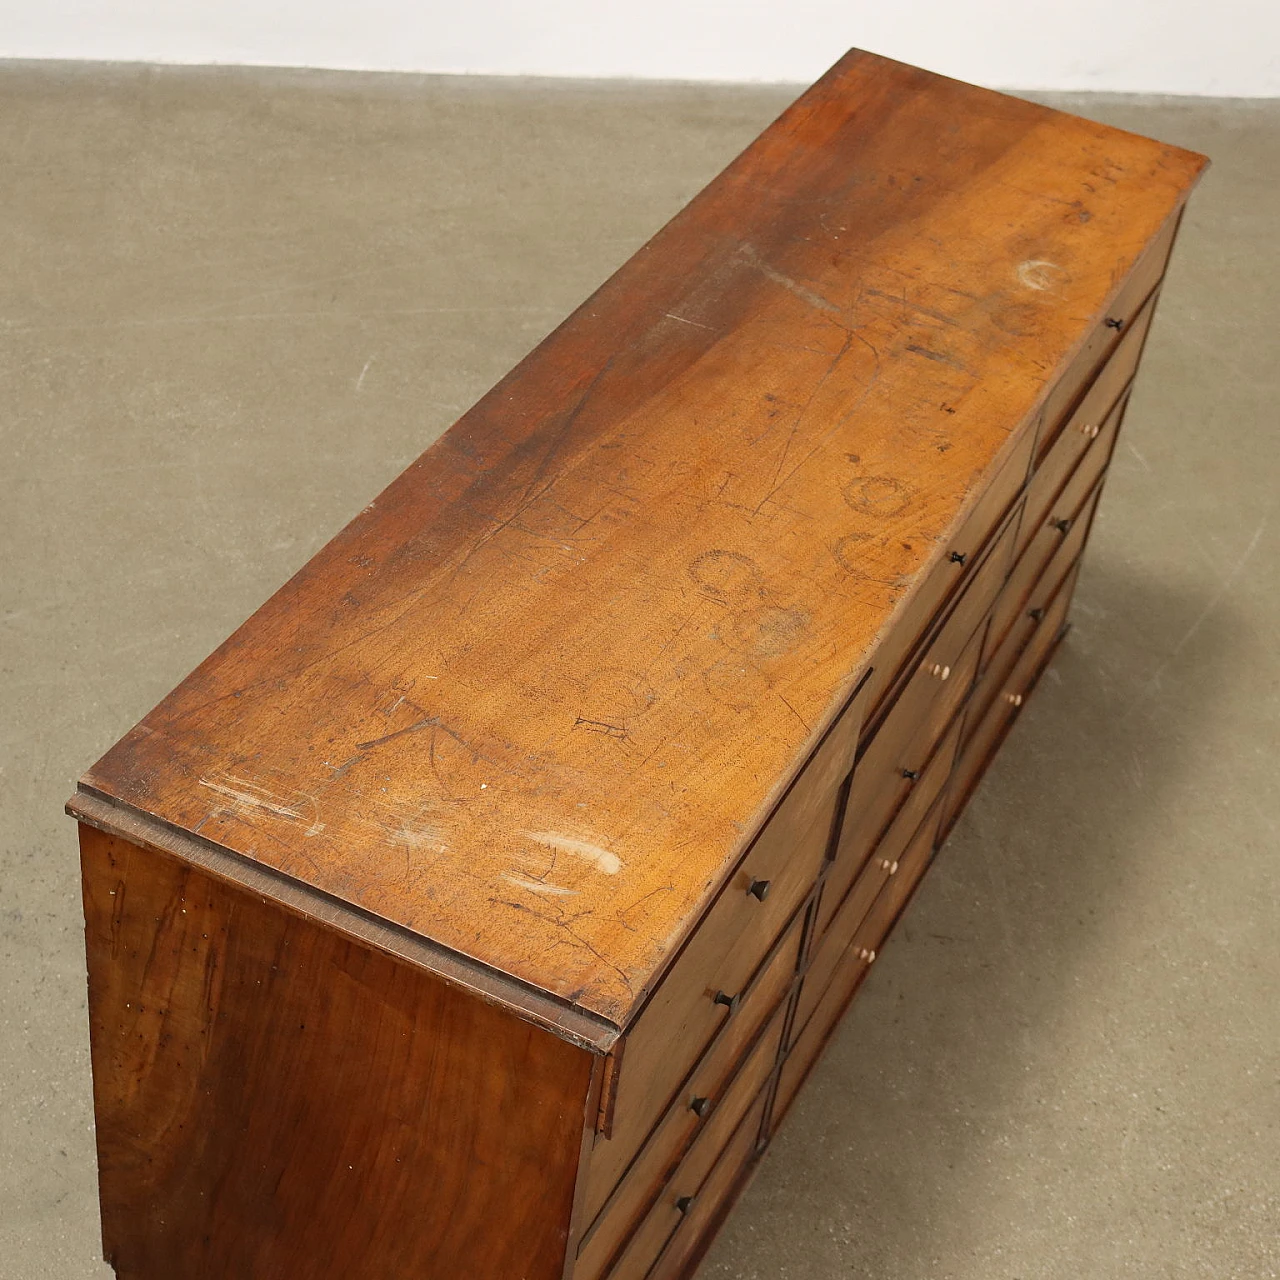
(896, 890)
(612, 1206)
(1001, 665)
(705, 984)
(713, 1200)
(900, 752)
(1082, 433)
(1065, 562)
(729, 1138)
(850, 903)
(828, 1004)
(999, 709)
(848, 878)
(1062, 523)
(941, 658)
(1106, 336)
(1019, 614)
(960, 560)
(972, 608)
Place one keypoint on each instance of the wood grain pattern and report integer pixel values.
(535, 700)
(275, 1100)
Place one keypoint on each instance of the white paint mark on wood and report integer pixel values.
(419, 837)
(248, 798)
(697, 324)
(1038, 273)
(801, 291)
(538, 886)
(601, 859)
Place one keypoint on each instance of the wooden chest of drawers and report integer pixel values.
(478, 908)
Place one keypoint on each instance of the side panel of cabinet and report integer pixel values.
(274, 1099)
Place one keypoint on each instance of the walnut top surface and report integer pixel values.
(533, 702)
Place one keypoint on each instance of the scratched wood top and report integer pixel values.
(534, 700)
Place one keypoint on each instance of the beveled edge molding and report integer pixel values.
(587, 1030)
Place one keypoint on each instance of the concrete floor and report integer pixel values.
(234, 304)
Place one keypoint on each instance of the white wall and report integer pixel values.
(1228, 47)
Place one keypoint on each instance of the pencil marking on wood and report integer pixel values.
(853, 553)
(429, 722)
(768, 631)
(795, 713)
(537, 886)
(907, 305)
(939, 356)
(882, 496)
(726, 574)
(601, 726)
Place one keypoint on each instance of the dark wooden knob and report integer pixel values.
(684, 1203)
(959, 557)
(730, 1002)
(1062, 525)
(700, 1106)
(1035, 614)
(759, 889)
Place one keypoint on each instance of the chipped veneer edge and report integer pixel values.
(584, 1029)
